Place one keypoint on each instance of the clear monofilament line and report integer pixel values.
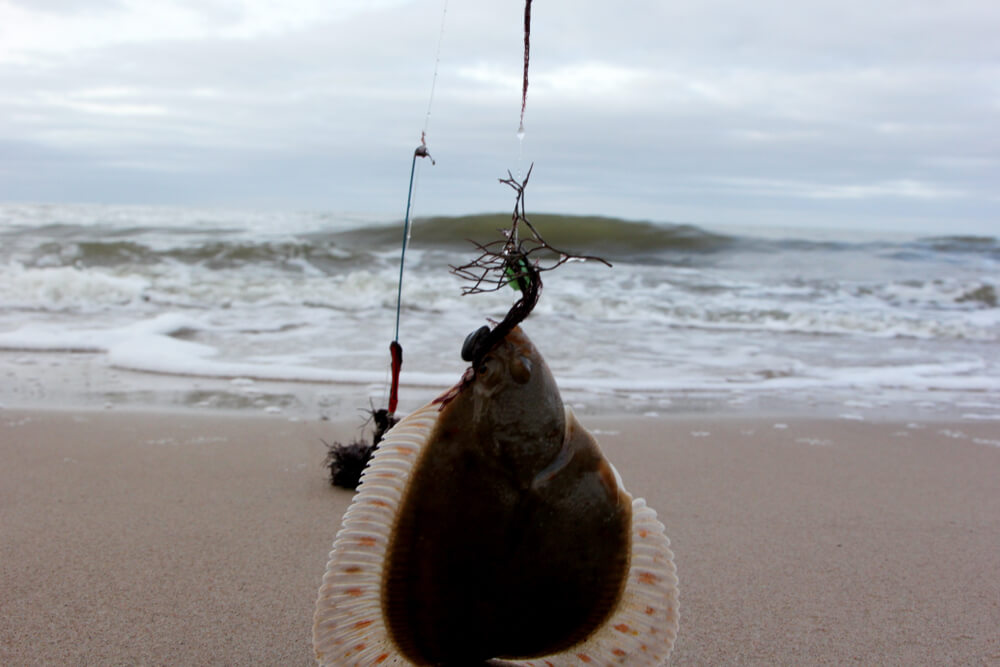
(437, 63)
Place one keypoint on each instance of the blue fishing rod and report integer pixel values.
(347, 461)
(395, 349)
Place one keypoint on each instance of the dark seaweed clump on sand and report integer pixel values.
(346, 462)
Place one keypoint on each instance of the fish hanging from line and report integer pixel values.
(490, 527)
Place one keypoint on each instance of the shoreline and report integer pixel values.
(135, 537)
(86, 381)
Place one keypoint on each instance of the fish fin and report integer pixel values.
(348, 628)
(643, 627)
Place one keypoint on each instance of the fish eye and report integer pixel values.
(490, 371)
(485, 365)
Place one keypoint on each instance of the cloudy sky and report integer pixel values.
(819, 112)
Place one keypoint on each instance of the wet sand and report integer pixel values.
(182, 539)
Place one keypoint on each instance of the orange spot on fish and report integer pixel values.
(619, 652)
(650, 611)
(648, 578)
(643, 533)
(584, 657)
(624, 627)
(366, 541)
(382, 658)
(353, 592)
(359, 647)
(352, 569)
(362, 624)
(379, 503)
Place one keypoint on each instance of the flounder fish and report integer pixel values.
(490, 527)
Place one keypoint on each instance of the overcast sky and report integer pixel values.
(839, 112)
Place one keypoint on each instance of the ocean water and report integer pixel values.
(292, 312)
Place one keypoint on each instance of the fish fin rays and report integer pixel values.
(348, 625)
(643, 627)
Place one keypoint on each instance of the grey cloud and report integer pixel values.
(717, 111)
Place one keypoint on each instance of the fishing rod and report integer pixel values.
(346, 462)
(395, 349)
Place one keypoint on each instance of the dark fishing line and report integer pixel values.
(527, 49)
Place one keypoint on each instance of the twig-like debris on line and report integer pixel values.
(518, 259)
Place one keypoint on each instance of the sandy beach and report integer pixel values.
(135, 538)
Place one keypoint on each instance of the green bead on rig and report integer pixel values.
(517, 273)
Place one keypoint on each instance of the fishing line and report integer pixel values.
(437, 62)
(524, 96)
(527, 51)
(395, 349)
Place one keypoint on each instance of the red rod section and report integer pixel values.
(396, 350)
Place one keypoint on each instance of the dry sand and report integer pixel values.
(165, 539)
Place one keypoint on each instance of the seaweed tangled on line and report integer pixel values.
(346, 462)
(514, 261)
